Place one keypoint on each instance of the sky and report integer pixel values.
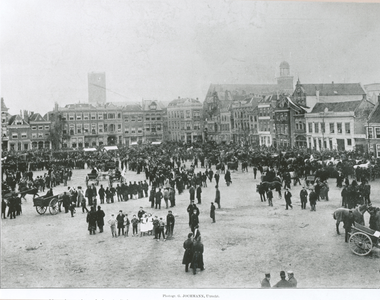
(165, 49)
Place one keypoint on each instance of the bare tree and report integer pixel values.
(57, 133)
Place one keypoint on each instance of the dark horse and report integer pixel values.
(25, 191)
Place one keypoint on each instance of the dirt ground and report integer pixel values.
(248, 239)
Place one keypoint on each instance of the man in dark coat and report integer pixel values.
(217, 177)
(199, 194)
(66, 201)
(212, 212)
(91, 220)
(152, 196)
(288, 198)
(158, 197)
(313, 200)
(303, 197)
(217, 196)
(192, 193)
(265, 283)
(120, 222)
(190, 210)
(348, 221)
(197, 261)
(101, 194)
(194, 220)
(100, 218)
(283, 283)
(170, 221)
(188, 255)
(227, 177)
(3, 208)
(145, 187)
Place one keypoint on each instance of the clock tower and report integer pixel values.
(299, 95)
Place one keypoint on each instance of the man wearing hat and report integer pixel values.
(303, 197)
(283, 283)
(170, 221)
(265, 283)
(291, 279)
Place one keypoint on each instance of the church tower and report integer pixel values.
(285, 81)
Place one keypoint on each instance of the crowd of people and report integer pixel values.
(167, 175)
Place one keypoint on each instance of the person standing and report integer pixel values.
(100, 218)
(313, 200)
(190, 210)
(135, 224)
(303, 197)
(270, 197)
(188, 255)
(3, 208)
(212, 212)
(194, 220)
(288, 198)
(172, 197)
(254, 172)
(166, 197)
(197, 261)
(265, 283)
(101, 194)
(283, 283)
(112, 223)
(199, 194)
(156, 225)
(227, 177)
(192, 193)
(170, 221)
(217, 177)
(152, 196)
(120, 222)
(217, 196)
(292, 280)
(126, 225)
(66, 201)
(158, 198)
(161, 230)
(348, 221)
(91, 220)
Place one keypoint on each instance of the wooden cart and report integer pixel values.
(43, 203)
(363, 239)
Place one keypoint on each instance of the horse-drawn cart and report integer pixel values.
(363, 239)
(43, 203)
(92, 178)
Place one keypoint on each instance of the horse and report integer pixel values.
(276, 185)
(233, 165)
(358, 213)
(26, 191)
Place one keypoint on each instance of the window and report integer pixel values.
(139, 130)
(40, 127)
(105, 127)
(158, 118)
(126, 119)
(86, 128)
(188, 114)
(147, 119)
(47, 127)
(147, 127)
(64, 117)
(310, 127)
(126, 130)
(34, 135)
(370, 132)
(153, 119)
(14, 136)
(100, 128)
(133, 118)
(105, 116)
(79, 128)
(339, 127)
(119, 115)
(40, 135)
(118, 127)
(347, 128)
(323, 128)
(316, 127)
(100, 116)
(23, 135)
(71, 117)
(85, 116)
(139, 119)
(133, 130)
(25, 146)
(93, 116)
(332, 128)
(377, 130)
(79, 116)
(34, 127)
(188, 126)
(349, 142)
(111, 116)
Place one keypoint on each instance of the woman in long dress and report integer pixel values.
(143, 225)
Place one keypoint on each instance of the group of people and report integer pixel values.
(284, 282)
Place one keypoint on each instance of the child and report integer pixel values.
(112, 223)
(126, 225)
(135, 223)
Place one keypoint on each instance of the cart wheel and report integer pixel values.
(41, 209)
(53, 206)
(360, 243)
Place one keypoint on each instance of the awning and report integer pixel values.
(89, 149)
(110, 148)
(156, 143)
(133, 144)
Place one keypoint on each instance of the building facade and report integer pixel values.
(153, 112)
(184, 120)
(339, 126)
(4, 125)
(373, 131)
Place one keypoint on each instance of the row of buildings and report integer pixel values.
(342, 116)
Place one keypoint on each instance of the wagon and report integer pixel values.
(363, 239)
(43, 203)
(92, 178)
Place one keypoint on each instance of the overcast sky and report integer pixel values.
(169, 48)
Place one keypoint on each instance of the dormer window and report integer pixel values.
(153, 106)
